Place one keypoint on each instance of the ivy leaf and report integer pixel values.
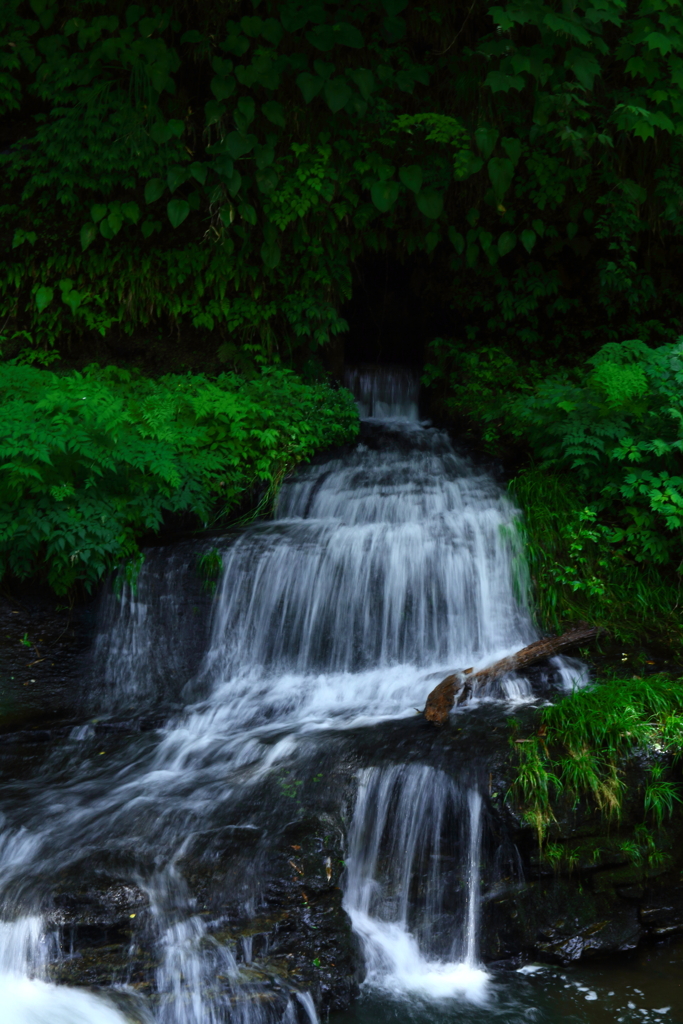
(235, 183)
(176, 127)
(98, 211)
(411, 177)
(224, 166)
(161, 132)
(88, 235)
(322, 37)
(384, 194)
(43, 297)
(528, 239)
(264, 156)
(500, 170)
(486, 139)
(364, 80)
(457, 240)
(131, 211)
(349, 35)
(539, 227)
(176, 176)
(274, 112)
(497, 81)
(430, 203)
(72, 299)
(178, 211)
(247, 109)
(237, 145)
(393, 29)
(154, 189)
(222, 88)
(266, 180)
(213, 111)
(310, 85)
(337, 94)
(198, 172)
(247, 212)
(115, 222)
(507, 242)
(513, 148)
(270, 254)
(393, 7)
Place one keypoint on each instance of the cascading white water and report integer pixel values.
(413, 871)
(383, 569)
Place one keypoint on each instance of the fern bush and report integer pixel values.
(92, 461)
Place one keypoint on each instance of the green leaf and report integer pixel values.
(270, 254)
(222, 88)
(457, 240)
(154, 189)
(176, 176)
(213, 111)
(148, 227)
(411, 177)
(224, 166)
(178, 211)
(528, 239)
(176, 127)
(322, 37)
(274, 112)
(364, 80)
(88, 235)
(337, 94)
(115, 222)
(507, 242)
(72, 299)
(105, 229)
(266, 180)
(486, 139)
(310, 85)
(384, 194)
(247, 108)
(235, 183)
(394, 7)
(43, 297)
(393, 29)
(430, 203)
(161, 132)
(247, 212)
(198, 172)
(349, 35)
(658, 41)
(500, 171)
(585, 67)
(98, 211)
(237, 145)
(497, 81)
(264, 156)
(131, 211)
(539, 227)
(513, 148)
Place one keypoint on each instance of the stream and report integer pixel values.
(249, 823)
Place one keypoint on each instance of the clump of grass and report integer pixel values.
(582, 745)
(578, 572)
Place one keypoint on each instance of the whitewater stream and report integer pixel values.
(295, 686)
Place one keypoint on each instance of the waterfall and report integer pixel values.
(413, 871)
(385, 567)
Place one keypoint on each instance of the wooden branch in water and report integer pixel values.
(462, 684)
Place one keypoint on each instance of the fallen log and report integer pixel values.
(462, 684)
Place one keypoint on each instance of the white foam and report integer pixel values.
(31, 1001)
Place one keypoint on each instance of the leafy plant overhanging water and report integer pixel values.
(93, 461)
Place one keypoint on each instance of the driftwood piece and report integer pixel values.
(462, 684)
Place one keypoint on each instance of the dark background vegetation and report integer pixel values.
(249, 195)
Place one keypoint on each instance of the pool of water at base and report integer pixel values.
(645, 987)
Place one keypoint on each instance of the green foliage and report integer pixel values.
(583, 743)
(92, 461)
(218, 169)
